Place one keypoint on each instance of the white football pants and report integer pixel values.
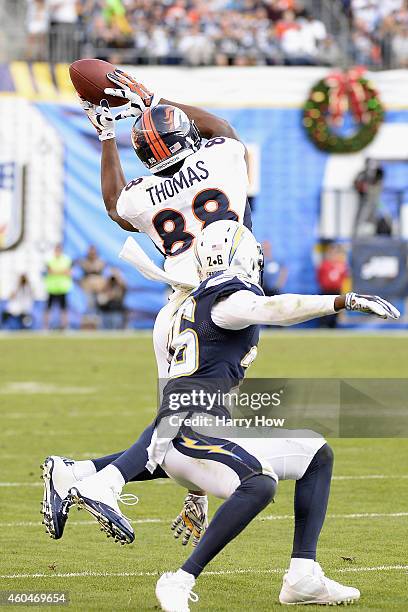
(288, 458)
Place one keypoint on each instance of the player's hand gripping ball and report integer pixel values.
(101, 118)
(140, 98)
(193, 519)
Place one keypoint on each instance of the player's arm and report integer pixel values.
(112, 176)
(209, 125)
(245, 308)
(140, 98)
(113, 182)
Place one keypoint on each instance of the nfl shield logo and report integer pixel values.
(11, 205)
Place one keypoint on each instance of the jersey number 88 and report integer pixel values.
(208, 206)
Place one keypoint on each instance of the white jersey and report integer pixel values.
(212, 185)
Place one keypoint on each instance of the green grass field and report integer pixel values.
(84, 397)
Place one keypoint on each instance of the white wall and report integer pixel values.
(28, 140)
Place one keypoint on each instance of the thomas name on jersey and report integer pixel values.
(183, 179)
(211, 185)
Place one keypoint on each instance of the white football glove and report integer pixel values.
(140, 98)
(193, 518)
(371, 304)
(101, 118)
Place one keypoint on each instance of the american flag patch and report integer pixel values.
(176, 147)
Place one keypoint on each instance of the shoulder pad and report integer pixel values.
(227, 283)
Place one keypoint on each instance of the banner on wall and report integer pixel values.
(12, 204)
(31, 193)
(288, 174)
(246, 87)
(379, 267)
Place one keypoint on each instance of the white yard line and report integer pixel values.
(357, 477)
(75, 523)
(90, 574)
(277, 517)
(372, 477)
(147, 333)
(77, 335)
(35, 387)
(21, 484)
(269, 517)
(380, 568)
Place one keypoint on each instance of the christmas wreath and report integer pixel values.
(330, 100)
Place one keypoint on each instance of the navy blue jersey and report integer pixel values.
(203, 354)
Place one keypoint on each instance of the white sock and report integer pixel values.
(299, 568)
(83, 469)
(112, 476)
(185, 575)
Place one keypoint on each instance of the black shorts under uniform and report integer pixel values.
(59, 299)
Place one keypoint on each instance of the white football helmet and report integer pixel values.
(228, 245)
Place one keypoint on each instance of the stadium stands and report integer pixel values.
(216, 32)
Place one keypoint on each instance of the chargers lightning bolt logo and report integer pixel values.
(210, 448)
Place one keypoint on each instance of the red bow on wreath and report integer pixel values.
(347, 93)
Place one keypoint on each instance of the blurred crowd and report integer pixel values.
(103, 288)
(195, 32)
(103, 291)
(214, 32)
(379, 31)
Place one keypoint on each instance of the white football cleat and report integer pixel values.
(58, 477)
(316, 589)
(101, 501)
(174, 592)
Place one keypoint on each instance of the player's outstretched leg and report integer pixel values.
(305, 582)
(174, 589)
(246, 494)
(60, 474)
(99, 493)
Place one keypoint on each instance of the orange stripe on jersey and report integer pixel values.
(147, 133)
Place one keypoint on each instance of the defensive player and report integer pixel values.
(214, 336)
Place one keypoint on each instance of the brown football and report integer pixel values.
(89, 78)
